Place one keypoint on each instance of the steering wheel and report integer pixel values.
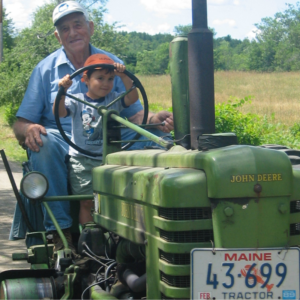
(61, 92)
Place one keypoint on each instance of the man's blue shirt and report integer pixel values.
(43, 86)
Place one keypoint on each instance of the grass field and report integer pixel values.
(276, 95)
(13, 151)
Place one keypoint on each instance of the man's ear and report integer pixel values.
(57, 36)
(91, 25)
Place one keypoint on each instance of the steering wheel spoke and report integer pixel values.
(82, 101)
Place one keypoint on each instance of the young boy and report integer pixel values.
(86, 123)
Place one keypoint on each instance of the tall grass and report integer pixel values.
(276, 95)
(158, 90)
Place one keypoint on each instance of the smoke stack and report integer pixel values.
(201, 74)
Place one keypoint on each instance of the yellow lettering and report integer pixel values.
(260, 177)
(136, 214)
(125, 210)
(251, 178)
(245, 178)
(132, 211)
(122, 210)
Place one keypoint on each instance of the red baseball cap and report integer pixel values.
(97, 59)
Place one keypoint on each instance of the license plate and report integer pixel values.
(245, 273)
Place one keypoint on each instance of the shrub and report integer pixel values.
(252, 129)
(246, 126)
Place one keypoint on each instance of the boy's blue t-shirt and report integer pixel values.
(87, 123)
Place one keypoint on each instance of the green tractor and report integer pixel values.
(204, 218)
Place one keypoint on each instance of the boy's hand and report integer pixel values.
(66, 82)
(119, 69)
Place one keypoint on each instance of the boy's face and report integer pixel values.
(99, 84)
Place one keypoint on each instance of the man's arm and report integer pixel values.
(162, 116)
(28, 133)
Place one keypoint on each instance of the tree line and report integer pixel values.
(276, 48)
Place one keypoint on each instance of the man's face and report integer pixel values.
(74, 33)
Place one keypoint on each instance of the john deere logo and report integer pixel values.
(256, 178)
(132, 211)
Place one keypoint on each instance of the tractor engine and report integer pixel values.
(167, 203)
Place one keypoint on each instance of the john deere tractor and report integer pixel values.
(200, 218)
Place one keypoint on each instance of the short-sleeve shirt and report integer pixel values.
(86, 122)
(43, 86)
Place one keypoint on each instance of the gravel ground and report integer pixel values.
(7, 207)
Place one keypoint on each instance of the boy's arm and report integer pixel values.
(62, 112)
(133, 96)
(66, 82)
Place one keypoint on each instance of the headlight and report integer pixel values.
(34, 185)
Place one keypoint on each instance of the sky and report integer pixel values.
(228, 17)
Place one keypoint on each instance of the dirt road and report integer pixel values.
(7, 207)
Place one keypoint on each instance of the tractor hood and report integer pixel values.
(231, 172)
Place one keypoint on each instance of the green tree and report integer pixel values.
(223, 56)
(182, 29)
(269, 36)
(8, 30)
(153, 62)
(138, 42)
(278, 40)
(185, 29)
(105, 36)
(276, 47)
(36, 42)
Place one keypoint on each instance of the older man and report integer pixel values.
(36, 127)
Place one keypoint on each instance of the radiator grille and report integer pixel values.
(175, 281)
(295, 229)
(175, 258)
(295, 206)
(180, 214)
(194, 236)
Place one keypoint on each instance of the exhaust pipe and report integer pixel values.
(201, 74)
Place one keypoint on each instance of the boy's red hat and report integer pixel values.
(97, 59)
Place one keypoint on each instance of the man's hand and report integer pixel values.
(29, 134)
(162, 116)
(32, 136)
